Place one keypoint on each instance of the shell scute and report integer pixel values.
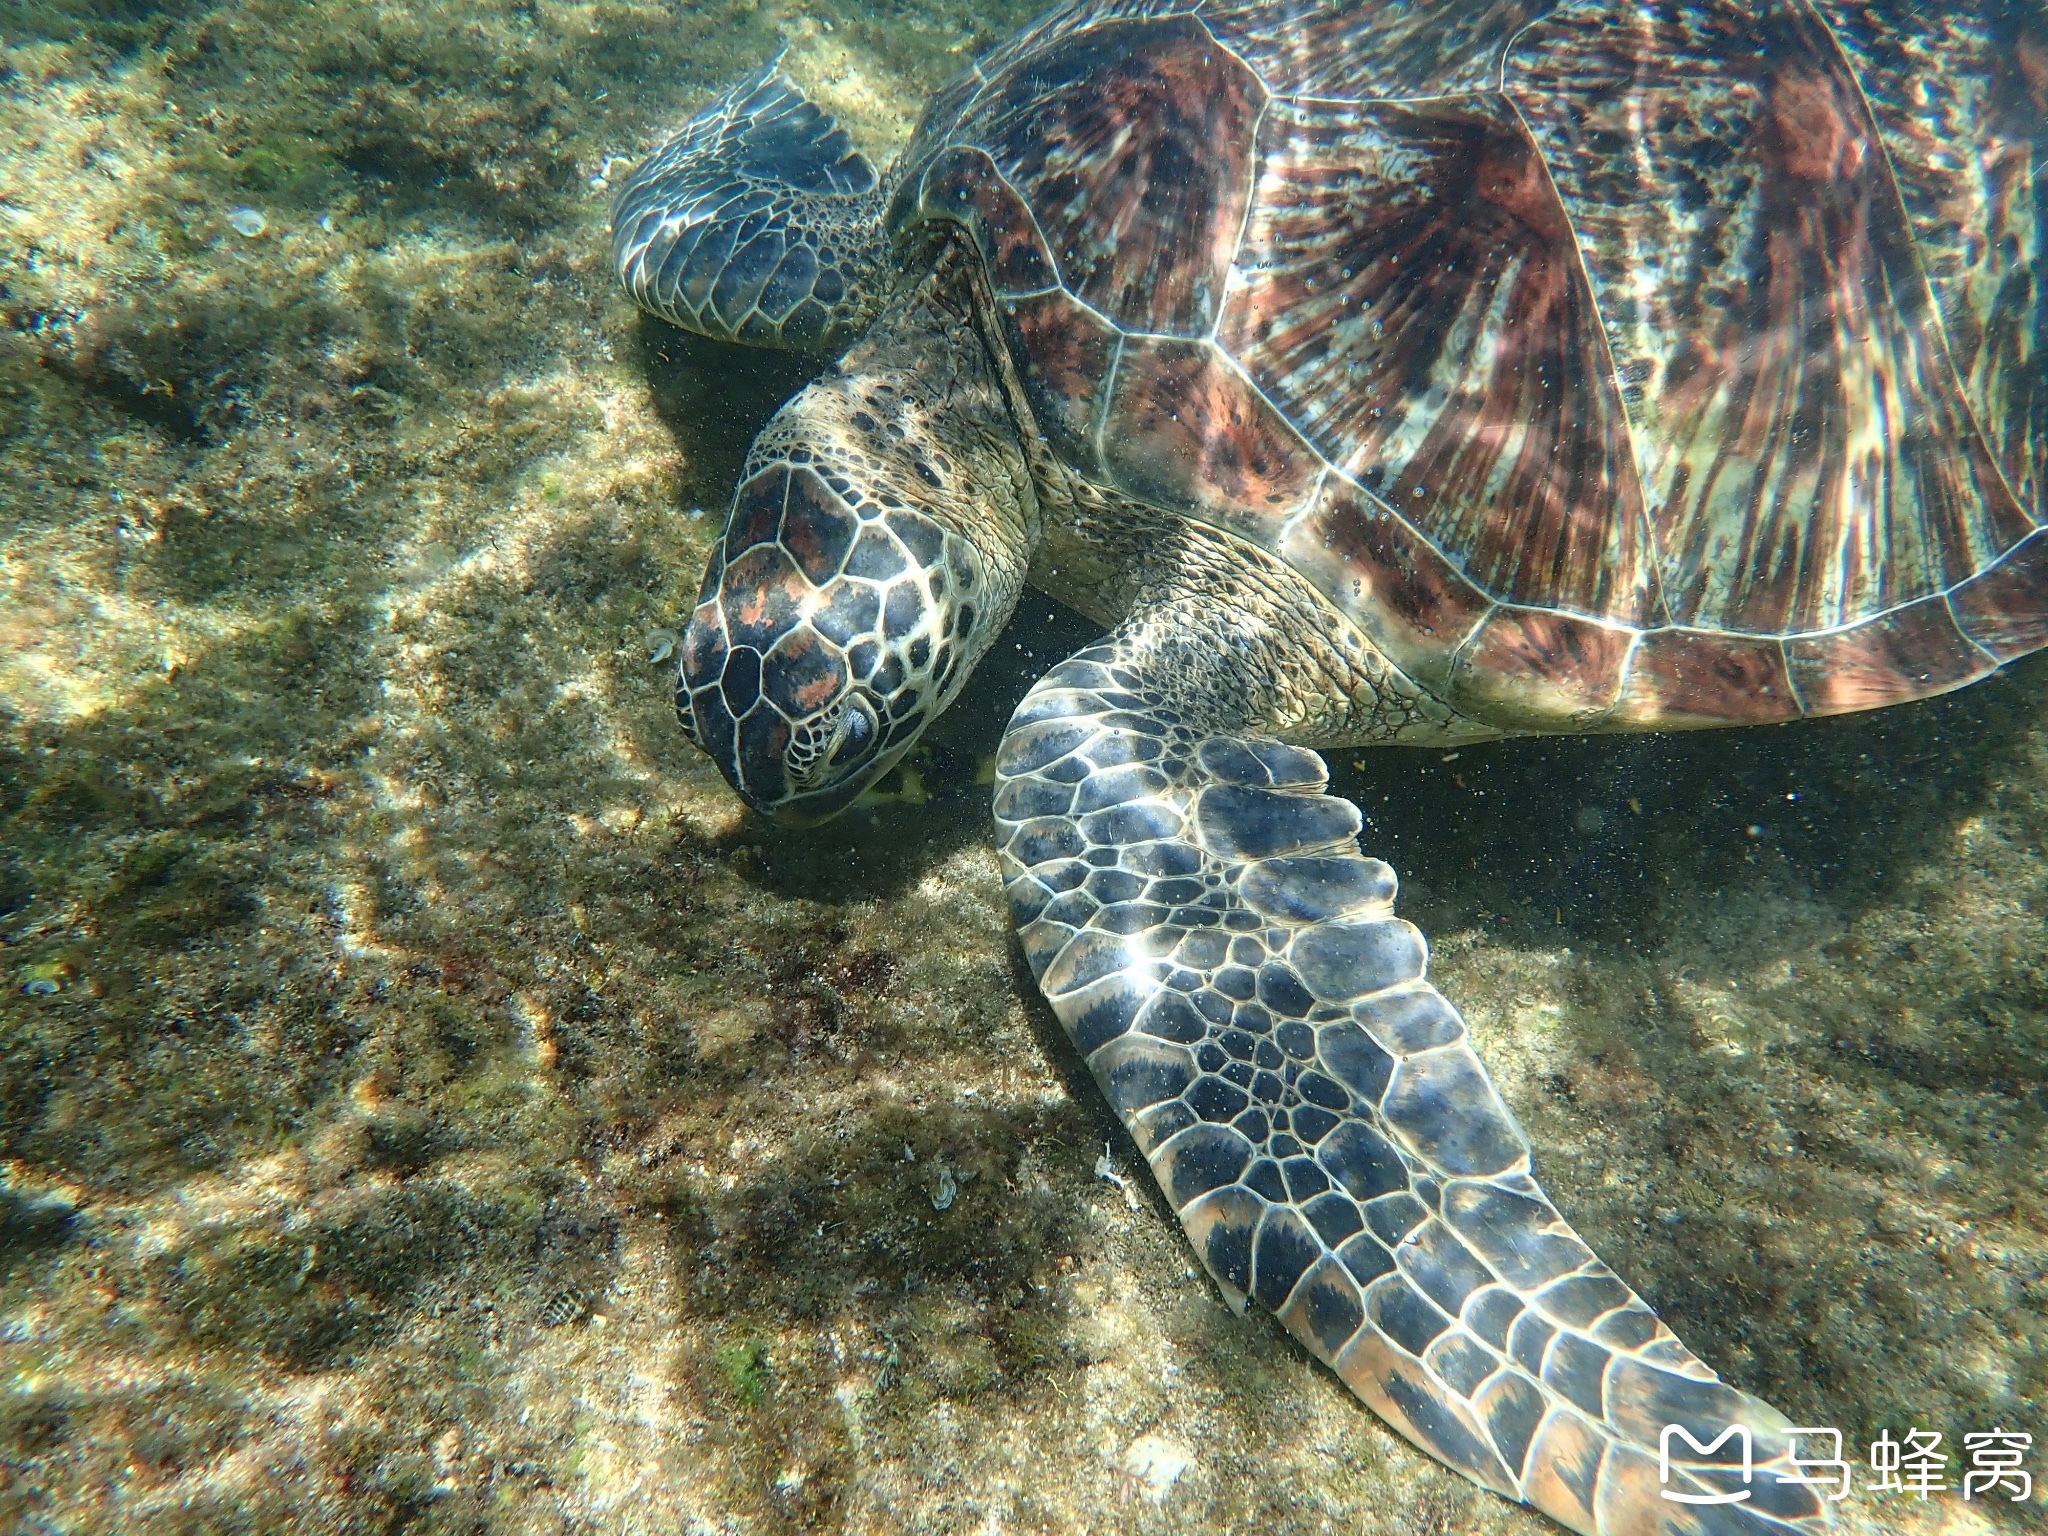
(1680, 678)
(1362, 49)
(1185, 428)
(963, 185)
(1978, 78)
(1809, 458)
(1064, 351)
(1396, 585)
(1412, 298)
(1132, 142)
(1535, 668)
(2005, 610)
(1906, 654)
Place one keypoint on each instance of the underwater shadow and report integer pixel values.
(1559, 840)
(713, 398)
(929, 1237)
(1611, 840)
(136, 842)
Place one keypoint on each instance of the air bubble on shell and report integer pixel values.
(247, 222)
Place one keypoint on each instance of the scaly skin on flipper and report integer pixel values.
(1198, 913)
(759, 223)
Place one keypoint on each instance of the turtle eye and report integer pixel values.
(856, 732)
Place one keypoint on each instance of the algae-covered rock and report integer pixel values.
(428, 1103)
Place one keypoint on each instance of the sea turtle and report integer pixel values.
(1403, 373)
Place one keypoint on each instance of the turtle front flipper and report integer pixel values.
(759, 223)
(1198, 912)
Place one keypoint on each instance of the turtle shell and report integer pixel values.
(1616, 366)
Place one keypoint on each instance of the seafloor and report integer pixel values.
(429, 1104)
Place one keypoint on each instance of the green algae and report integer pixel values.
(745, 1364)
(411, 972)
(167, 890)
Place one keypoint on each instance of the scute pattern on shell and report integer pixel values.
(1613, 366)
(1941, 82)
(1808, 457)
(1142, 224)
(1379, 220)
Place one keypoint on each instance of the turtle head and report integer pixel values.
(831, 628)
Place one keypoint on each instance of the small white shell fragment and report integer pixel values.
(660, 643)
(1105, 1169)
(1157, 1462)
(247, 222)
(942, 1197)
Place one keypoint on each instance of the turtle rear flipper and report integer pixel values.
(758, 222)
(1198, 912)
